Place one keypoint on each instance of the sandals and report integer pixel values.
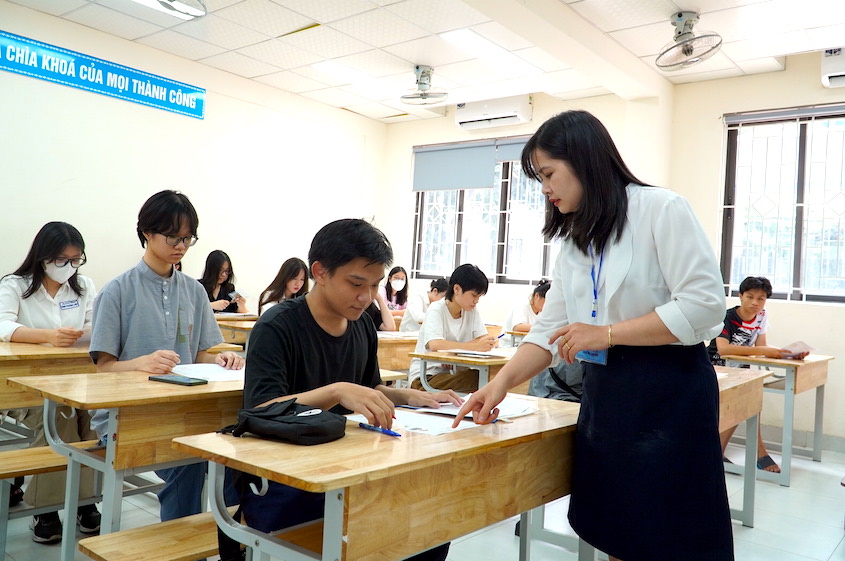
(766, 462)
(16, 493)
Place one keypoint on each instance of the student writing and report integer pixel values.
(218, 279)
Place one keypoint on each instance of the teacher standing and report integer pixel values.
(635, 291)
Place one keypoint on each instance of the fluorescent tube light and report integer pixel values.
(489, 52)
(182, 9)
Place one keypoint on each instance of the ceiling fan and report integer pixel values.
(423, 95)
(689, 47)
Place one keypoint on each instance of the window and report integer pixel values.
(784, 210)
(496, 228)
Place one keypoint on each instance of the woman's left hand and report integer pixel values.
(576, 337)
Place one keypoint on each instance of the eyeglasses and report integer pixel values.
(173, 241)
(75, 263)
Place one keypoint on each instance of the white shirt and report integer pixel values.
(662, 263)
(42, 311)
(415, 312)
(439, 324)
(517, 315)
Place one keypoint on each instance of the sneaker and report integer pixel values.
(46, 528)
(88, 519)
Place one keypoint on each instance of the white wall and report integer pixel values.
(697, 172)
(264, 169)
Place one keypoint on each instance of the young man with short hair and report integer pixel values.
(454, 323)
(321, 349)
(153, 317)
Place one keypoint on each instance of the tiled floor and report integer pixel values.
(802, 522)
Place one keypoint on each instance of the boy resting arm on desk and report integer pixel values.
(322, 350)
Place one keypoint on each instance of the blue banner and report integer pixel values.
(55, 64)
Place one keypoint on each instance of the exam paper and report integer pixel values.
(208, 371)
(411, 421)
(797, 348)
(496, 352)
(509, 408)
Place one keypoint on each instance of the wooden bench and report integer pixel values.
(183, 539)
(23, 462)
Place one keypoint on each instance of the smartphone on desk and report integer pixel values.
(178, 379)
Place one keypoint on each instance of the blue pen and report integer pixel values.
(500, 336)
(378, 429)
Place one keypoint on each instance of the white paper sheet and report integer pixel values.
(208, 371)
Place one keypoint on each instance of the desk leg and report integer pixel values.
(112, 481)
(527, 520)
(424, 376)
(586, 552)
(788, 422)
(749, 475)
(483, 376)
(333, 524)
(818, 429)
(5, 489)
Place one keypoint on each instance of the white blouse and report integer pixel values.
(41, 311)
(663, 262)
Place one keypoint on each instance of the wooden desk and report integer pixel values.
(144, 417)
(801, 376)
(740, 399)
(236, 331)
(233, 316)
(397, 321)
(418, 491)
(487, 367)
(393, 350)
(28, 359)
(517, 336)
(392, 375)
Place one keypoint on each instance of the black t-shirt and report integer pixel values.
(225, 289)
(290, 353)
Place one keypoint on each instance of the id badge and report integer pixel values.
(595, 357)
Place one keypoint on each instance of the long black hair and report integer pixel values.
(402, 295)
(49, 243)
(582, 141)
(289, 270)
(213, 263)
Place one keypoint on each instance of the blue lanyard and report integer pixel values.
(595, 276)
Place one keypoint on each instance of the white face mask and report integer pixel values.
(59, 274)
(397, 284)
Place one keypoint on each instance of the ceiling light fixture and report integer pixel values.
(182, 9)
(489, 52)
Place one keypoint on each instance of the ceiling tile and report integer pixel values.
(753, 20)
(579, 94)
(468, 72)
(265, 17)
(502, 36)
(541, 59)
(438, 16)
(320, 76)
(214, 5)
(431, 50)
(566, 80)
(335, 97)
(760, 65)
(389, 86)
(373, 110)
(181, 45)
(646, 39)
(239, 64)
(377, 63)
(110, 21)
(719, 61)
(291, 81)
(280, 54)
(51, 6)
(326, 42)
(218, 31)
(379, 28)
(612, 15)
(762, 46)
(326, 11)
(822, 38)
(697, 77)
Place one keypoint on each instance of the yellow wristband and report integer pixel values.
(610, 336)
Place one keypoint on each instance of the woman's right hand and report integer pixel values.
(64, 336)
(220, 305)
(482, 403)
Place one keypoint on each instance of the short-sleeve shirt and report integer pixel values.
(42, 311)
(744, 333)
(439, 324)
(140, 312)
(289, 353)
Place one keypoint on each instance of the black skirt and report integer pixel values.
(648, 482)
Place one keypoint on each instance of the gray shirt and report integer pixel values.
(140, 312)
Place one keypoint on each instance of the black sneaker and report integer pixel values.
(88, 519)
(46, 528)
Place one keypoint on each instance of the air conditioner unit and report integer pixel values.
(494, 112)
(833, 68)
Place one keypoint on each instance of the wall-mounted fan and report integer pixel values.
(423, 95)
(688, 47)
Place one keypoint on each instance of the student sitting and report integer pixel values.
(47, 301)
(291, 281)
(417, 307)
(321, 350)
(379, 312)
(522, 317)
(395, 291)
(744, 334)
(218, 279)
(454, 323)
(152, 318)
